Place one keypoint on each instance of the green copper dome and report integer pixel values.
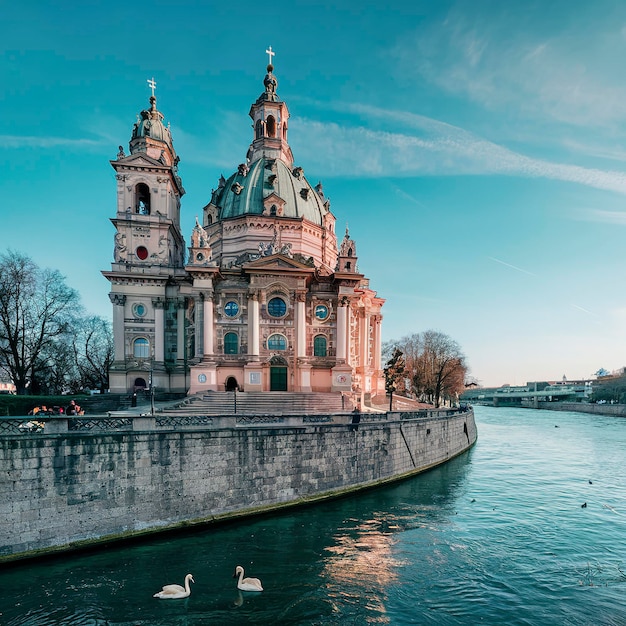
(269, 187)
(150, 124)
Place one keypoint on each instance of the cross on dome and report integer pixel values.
(152, 85)
(270, 53)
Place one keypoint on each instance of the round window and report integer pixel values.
(277, 307)
(139, 310)
(321, 311)
(231, 308)
(142, 253)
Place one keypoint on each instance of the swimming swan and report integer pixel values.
(246, 584)
(174, 592)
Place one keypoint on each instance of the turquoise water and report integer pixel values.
(497, 536)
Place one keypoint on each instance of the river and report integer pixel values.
(500, 535)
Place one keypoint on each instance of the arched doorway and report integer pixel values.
(231, 384)
(140, 384)
(278, 374)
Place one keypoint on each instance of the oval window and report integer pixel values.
(139, 309)
(142, 253)
(231, 308)
(321, 311)
(277, 307)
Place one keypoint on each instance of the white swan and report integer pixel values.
(174, 592)
(247, 584)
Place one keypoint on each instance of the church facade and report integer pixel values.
(264, 297)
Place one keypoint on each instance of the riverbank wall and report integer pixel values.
(619, 410)
(87, 481)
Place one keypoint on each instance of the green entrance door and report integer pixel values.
(278, 378)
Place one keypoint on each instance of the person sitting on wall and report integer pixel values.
(356, 418)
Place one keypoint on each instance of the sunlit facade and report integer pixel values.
(264, 297)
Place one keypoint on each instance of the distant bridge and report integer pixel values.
(530, 395)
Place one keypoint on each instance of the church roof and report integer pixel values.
(268, 183)
(270, 187)
(150, 134)
(150, 124)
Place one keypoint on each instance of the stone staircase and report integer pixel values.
(259, 403)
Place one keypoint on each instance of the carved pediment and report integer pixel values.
(278, 261)
(138, 160)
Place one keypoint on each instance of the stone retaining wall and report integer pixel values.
(68, 490)
(583, 407)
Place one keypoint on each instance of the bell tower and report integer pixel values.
(148, 259)
(270, 118)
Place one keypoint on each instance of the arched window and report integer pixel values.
(277, 307)
(258, 129)
(319, 345)
(141, 348)
(271, 126)
(231, 343)
(142, 199)
(276, 342)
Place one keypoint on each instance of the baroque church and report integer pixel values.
(264, 298)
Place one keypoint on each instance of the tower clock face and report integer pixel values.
(321, 311)
(199, 256)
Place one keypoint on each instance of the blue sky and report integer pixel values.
(476, 150)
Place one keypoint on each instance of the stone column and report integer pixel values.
(159, 329)
(376, 320)
(365, 340)
(300, 325)
(342, 329)
(180, 329)
(118, 301)
(253, 325)
(207, 325)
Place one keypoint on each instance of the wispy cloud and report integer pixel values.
(425, 146)
(605, 217)
(513, 267)
(521, 61)
(17, 141)
(580, 308)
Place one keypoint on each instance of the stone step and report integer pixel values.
(270, 402)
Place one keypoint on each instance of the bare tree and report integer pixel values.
(36, 306)
(447, 364)
(435, 366)
(93, 352)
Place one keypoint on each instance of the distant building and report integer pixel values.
(6, 386)
(263, 298)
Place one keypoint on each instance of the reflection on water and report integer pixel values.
(496, 536)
